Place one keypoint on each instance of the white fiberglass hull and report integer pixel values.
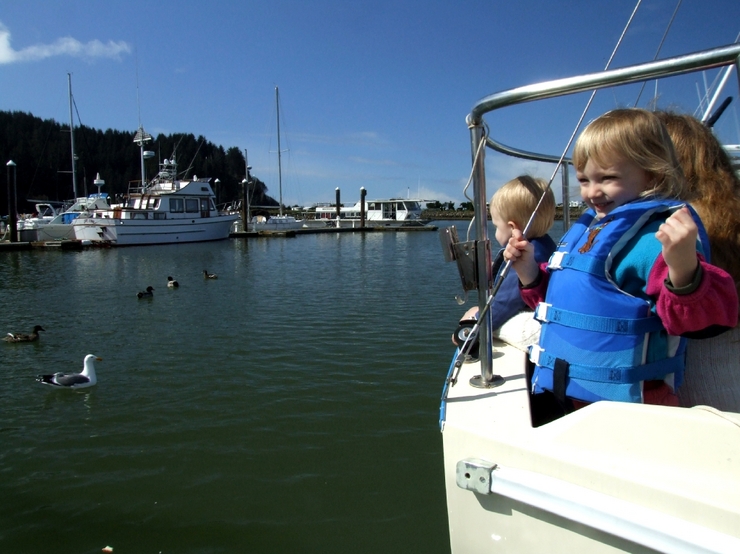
(277, 223)
(130, 232)
(56, 231)
(611, 477)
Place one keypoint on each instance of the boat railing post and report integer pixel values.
(566, 194)
(363, 193)
(737, 69)
(12, 203)
(338, 194)
(483, 254)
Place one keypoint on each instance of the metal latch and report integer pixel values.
(475, 475)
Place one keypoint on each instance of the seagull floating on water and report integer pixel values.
(146, 293)
(73, 380)
(209, 275)
(22, 337)
(172, 283)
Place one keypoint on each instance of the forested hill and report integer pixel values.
(42, 152)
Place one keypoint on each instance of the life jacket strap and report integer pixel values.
(586, 264)
(560, 379)
(618, 375)
(544, 312)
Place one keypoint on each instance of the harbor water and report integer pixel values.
(291, 405)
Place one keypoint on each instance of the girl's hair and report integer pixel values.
(712, 187)
(517, 199)
(637, 136)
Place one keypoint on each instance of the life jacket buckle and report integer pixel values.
(534, 354)
(556, 260)
(540, 312)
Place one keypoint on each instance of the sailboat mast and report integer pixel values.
(72, 136)
(280, 166)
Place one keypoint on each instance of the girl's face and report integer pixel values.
(608, 187)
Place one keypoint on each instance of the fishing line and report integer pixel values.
(465, 348)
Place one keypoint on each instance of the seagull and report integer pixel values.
(73, 380)
(209, 275)
(22, 337)
(146, 293)
(172, 283)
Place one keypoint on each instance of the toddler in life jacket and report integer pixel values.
(511, 207)
(629, 281)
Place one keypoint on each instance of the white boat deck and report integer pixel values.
(662, 479)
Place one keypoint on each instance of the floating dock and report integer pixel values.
(7, 246)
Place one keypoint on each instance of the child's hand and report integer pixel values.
(678, 236)
(521, 254)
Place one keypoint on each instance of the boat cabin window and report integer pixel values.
(159, 215)
(192, 206)
(152, 203)
(177, 206)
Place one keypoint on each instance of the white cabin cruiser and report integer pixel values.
(28, 226)
(166, 210)
(392, 212)
(610, 477)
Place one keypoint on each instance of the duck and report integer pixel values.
(171, 283)
(146, 293)
(22, 337)
(86, 378)
(209, 275)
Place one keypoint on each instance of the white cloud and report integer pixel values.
(66, 46)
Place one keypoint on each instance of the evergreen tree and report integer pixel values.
(42, 152)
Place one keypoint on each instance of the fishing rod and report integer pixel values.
(469, 339)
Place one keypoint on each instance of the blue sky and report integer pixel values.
(373, 93)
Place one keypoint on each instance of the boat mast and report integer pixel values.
(72, 136)
(280, 167)
(141, 137)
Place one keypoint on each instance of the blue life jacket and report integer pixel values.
(597, 349)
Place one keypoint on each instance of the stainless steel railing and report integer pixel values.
(699, 61)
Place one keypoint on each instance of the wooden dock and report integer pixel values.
(7, 246)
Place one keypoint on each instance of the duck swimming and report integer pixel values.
(146, 293)
(87, 378)
(172, 283)
(209, 275)
(22, 337)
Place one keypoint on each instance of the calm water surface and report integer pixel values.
(289, 406)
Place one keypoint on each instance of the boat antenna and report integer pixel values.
(141, 137)
(138, 101)
(280, 167)
(72, 136)
(505, 270)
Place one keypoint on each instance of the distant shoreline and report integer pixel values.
(436, 215)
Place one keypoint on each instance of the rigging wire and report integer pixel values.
(657, 52)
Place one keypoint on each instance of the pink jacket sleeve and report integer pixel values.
(536, 294)
(714, 302)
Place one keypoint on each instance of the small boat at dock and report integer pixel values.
(378, 213)
(165, 210)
